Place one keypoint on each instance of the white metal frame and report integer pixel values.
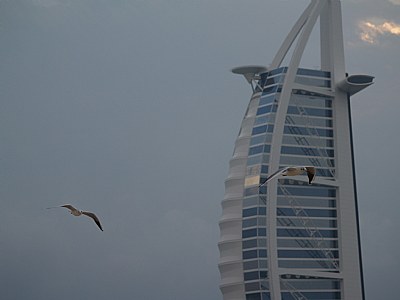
(332, 60)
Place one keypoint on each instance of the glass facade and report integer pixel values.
(306, 216)
(284, 238)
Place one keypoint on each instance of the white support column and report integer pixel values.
(290, 38)
(332, 48)
(332, 59)
(313, 12)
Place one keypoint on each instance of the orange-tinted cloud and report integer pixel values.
(395, 2)
(371, 31)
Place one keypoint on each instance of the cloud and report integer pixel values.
(395, 2)
(372, 30)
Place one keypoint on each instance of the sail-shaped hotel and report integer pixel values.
(286, 239)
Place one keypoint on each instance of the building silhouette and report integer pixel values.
(286, 239)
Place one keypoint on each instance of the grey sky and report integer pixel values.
(128, 109)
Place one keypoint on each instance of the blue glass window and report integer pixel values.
(259, 139)
(310, 191)
(262, 253)
(251, 201)
(295, 222)
(265, 159)
(301, 140)
(253, 296)
(265, 296)
(314, 202)
(251, 191)
(262, 120)
(255, 275)
(296, 243)
(264, 169)
(249, 233)
(262, 211)
(249, 254)
(256, 149)
(264, 109)
(314, 295)
(308, 121)
(305, 254)
(263, 274)
(263, 263)
(270, 89)
(303, 264)
(306, 131)
(324, 172)
(311, 72)
(249, 222)
(318, 112)
(278, 71)
(313, 81)
(274, 80)
(262, 242)
(304, 283)
(250, 212)
(304, 233)
(254, 160)
(306, 151)
(249, 244)
(262, 232)
(266, 100)
(255, 190)
(323, 213)
(258, 296)
(310, 101)
(262, 129)
(259, 149)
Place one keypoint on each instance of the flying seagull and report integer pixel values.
(78, 213)
(293, 171)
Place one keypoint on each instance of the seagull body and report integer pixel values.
(75, 212)
(293, 171)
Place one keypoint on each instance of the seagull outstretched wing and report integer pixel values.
(273, 175)
(77, 213)
(94, 217)
(293, 171)
(70, 207)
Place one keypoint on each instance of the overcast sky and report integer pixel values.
(127, 108)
